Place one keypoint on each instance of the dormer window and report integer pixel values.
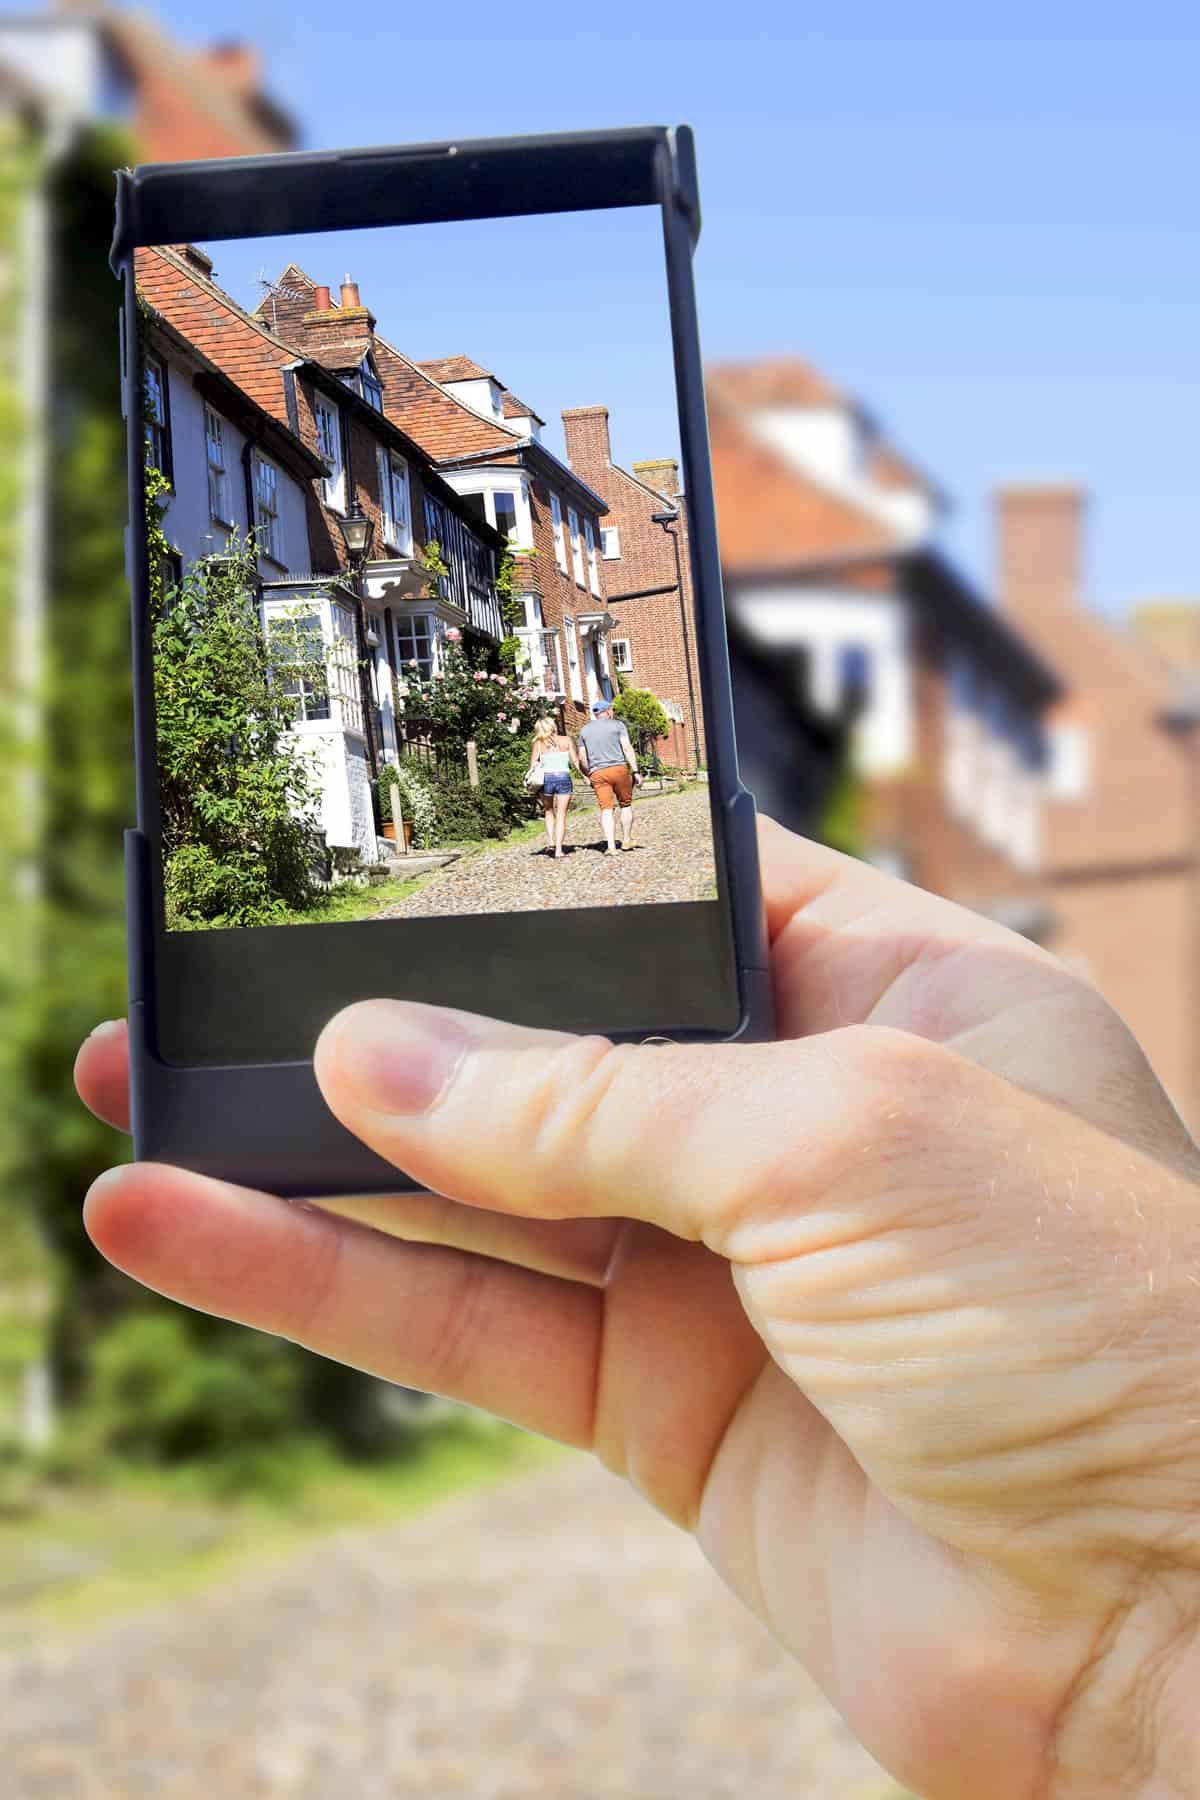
(365, 382)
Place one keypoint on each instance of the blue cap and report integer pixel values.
(599, 706)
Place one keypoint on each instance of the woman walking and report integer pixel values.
(555, 752)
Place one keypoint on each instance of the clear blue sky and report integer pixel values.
(982, 220)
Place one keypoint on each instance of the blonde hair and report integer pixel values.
(545, 728)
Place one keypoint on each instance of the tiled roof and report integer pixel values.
(242, 349)
(434, 419)
(454, 368)
(773, 381)
(517, 409)
(774, 517)
(888, 469)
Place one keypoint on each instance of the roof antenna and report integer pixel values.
(277, 290)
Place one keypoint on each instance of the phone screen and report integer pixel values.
(420, 589)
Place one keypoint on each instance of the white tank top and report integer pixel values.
(555, 762)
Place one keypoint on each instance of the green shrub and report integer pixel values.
(642, 713)
(165, 1387)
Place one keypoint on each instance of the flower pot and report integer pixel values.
(408, 833)
(389, 830)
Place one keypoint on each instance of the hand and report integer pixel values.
(902, 1321)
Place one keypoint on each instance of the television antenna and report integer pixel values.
(277, 290)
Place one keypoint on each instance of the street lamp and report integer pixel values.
(666, 520)
(358, 533)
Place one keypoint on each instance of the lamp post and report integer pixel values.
(667, 520)
(358, 533)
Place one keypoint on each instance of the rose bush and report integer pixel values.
(466, 701)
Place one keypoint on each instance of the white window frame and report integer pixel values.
(1070, 766)
(593, 565)
(412, 620)
(574, 662)
(576, 547)
(610, 542)
(159, 427)
(513, 533)
(622, 655)
(220, 506)
(268, 541)
(329, 445)
(560, 540)
(395, 501)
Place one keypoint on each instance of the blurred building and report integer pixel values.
(842, 611)
(1122, 824)
(644, 545)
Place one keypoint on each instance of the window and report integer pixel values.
(593, 567)
(576, 547)
(854, 674)
(369, 385)
(268, 533)
(506, 513)
(170, 578)
(610, 542)
(573, 657)
(158, 419)
(394, 501)
(329, 446)
(560, 542)
(1070, 762)
(622, 656)
(218, 473)
(414, 644)
(297, 650)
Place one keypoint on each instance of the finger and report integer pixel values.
(553, 1127)
(576, 1249)
(102, 1073)
(518, 1344)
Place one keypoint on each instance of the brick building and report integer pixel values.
(485, 443)
(302, 443)
(653, 644)
(1121, 819)
(841, 608)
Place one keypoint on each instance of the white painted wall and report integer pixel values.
(826, 622)
(825, 442)
(189, 528)
(481, 395)
(63, 58)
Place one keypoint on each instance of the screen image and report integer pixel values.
(420, 588)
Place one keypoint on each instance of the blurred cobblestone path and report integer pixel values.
(552, 1637)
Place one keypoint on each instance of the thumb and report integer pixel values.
(694, 1139)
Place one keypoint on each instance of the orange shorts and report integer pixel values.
(618, 780)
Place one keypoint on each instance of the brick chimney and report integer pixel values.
(588, 449)
(236, 65)
(662, 474)
(1039, 548)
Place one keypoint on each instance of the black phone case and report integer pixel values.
(266, 1125)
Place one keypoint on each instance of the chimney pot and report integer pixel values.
(350, 293)
(321, 299)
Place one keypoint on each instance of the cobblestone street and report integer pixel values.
(672, 859)
(548, 1637)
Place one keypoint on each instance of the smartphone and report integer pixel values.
(420, 501)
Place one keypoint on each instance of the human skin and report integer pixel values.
(899, 1314)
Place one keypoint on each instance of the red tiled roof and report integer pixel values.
(771, 515)
(454, 368)
(434, 419)
(244, 351)
(517, 409)
(773, 381)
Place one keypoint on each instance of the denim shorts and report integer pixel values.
(556, 781)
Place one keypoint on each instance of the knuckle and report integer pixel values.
(573, 1112)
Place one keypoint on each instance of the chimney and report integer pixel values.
(350, 297)
(588, 449)
(1039, 548)
(662, 475)
(321, 299)
(198, 258)
(237, 65)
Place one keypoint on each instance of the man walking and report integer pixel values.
(609, 762)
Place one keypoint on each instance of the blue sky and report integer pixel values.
(983, 221)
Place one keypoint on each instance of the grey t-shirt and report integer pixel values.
(603, 740)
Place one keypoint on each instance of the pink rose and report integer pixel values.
(454, 635)
(501, 717)
(413, 663)
(479, 675)
(437, 675)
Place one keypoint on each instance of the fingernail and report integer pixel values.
(109, 1028)
(399, 1056)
